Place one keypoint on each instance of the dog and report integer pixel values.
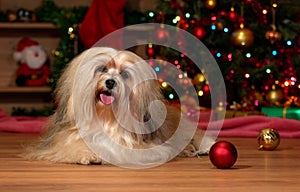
(110, 110)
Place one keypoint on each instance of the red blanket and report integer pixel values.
(22, 124)
(248, 126)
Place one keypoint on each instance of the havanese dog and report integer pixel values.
(110, 110)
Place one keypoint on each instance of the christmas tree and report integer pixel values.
(255, 43)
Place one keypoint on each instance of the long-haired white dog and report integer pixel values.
(111, 110)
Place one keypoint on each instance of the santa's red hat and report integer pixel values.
(22, 44)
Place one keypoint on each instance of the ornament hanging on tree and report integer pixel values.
(268, 139)
(242, 38)
(273, 35)
(274, 96)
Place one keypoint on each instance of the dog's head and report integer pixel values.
(108, 84)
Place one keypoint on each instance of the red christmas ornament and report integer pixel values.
(223, 154)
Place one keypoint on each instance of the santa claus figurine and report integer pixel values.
(32, 58)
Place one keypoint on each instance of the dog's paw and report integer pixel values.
(189, 151)
(89, 159)
(206, 145)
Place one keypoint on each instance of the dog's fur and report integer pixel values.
(92, 107)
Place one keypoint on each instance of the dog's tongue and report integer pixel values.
(106, 99)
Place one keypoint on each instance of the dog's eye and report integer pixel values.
(124, 74)
(101, 68)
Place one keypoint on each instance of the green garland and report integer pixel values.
(67, 19)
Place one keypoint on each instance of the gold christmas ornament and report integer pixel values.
(268, 139)
(242, 37)
(274, 96)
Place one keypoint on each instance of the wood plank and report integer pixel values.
(255, 170)
(15, 89)
(27, 25)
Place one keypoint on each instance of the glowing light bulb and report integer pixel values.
(264, 11)
(164, 84)
(200, 93)
(171, 96)
(151, 14)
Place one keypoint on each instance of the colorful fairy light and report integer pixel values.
(289, 42)
(264, 11)
(248, 55)
(151, 14)
(213, 27)
(171, 96)
(164, 84)
(200, 93)
(229, 56)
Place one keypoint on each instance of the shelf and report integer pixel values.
(26, 25)
(43, 89)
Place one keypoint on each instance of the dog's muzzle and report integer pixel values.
(106, 96)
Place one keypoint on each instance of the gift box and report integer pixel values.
(284, 112)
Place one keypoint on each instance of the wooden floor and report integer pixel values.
(254, 171)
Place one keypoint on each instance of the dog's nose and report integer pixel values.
(110, 83)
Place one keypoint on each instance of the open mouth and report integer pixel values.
(106, 97)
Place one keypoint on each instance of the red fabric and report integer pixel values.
(250, 126)
(102, 18)
(21, 124)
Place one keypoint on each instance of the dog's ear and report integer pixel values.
(141, 97)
